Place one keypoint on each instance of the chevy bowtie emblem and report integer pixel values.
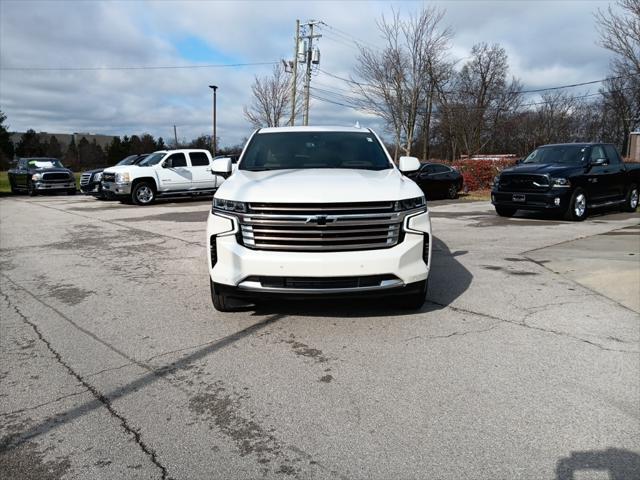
(319, 219)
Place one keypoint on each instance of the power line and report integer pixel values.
(147, 67)
(348, 36)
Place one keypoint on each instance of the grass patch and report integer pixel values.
(6, 188)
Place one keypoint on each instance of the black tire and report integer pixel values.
(577, 209)
(143, 193)
(631, 201)
(415, 301)
(506, 211)
(219, 299)
(14, 190)
(31, 190)
(452, 191)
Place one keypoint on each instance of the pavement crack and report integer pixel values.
(533, 327)
(35, 407)
(453, 334)
(93, 390)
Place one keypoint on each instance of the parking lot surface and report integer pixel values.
(523, 363)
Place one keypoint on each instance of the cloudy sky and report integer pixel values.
(56, 57)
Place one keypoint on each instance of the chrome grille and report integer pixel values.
(523, 183)
(55, 176)
(85, 178)
(326, 227)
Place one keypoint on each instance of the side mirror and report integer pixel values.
(221, 166)
(519, 161)
(598, 162)
(409, 164)
(167, 164)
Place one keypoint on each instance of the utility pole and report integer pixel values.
(309, 60)
(294, 81)
(175, 135)
(214, 141)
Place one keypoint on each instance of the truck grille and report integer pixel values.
(326, 227)
(523, 183)
(85, 179)
(108, 177)
(55, 176)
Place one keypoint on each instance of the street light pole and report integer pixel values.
(214, 140)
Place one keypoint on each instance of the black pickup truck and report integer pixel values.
(37, 175)
(568, 178)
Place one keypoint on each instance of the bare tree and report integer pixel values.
(620, 33)
(271, 104)
(395, 80)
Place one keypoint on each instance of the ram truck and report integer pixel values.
(165, 173)
(317, 211)
(570, 179)
(39, 175)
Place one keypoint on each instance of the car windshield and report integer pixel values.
(45, 163)
(295, 150)
(568, 154)
(152, 159)
(128, 160)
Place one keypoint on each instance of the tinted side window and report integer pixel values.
(440, 169)
(612, 154)
(199, 159)
(178, 160)
(597, 152)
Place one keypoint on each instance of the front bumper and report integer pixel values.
(43, 186)
(91, 188)
(234, 264)
(554, 199)
(117, 189)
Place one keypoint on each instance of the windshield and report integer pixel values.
(45, 163)
(152, 159)
(128, 160)
(568, 154)
(284, 150)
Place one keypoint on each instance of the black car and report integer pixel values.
(438, 180)
(41, 174)
(91, 180)
(569, 178)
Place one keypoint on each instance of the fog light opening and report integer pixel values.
(556, 201)
(493, 198)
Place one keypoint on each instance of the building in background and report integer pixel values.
(65, 138)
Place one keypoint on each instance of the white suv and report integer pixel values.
(162, 174)
(314, 211)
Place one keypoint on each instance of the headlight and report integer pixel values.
(560, 182)
(97, 177)
(36, 176)
(122, 177)
(409, 204)
(229, 205)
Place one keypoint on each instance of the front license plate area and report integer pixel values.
(518, 197)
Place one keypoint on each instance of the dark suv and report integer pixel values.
(37, 175)
(91, 180)
(569, 178)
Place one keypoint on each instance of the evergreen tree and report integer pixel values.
(148, 143)
(71, 156)
(136, 147)
(6, 145)
(53, 148)
(116, 151)
(30, 145)
(160, 144)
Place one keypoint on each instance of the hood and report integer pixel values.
(95, 170)
(121, 168)
(551, 169)
(318, 185)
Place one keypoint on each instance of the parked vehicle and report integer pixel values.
(165, 173)
(37, 175)
(570, 178)
(437, 180)
(91, 180)
(315, 211)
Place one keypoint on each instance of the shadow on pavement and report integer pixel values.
(448, 279)
(617, 463)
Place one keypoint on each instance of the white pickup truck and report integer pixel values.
(312, 211)
(165, 173)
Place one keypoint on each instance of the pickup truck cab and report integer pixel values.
(165, 173)
(317, 211)
(568, 178)
(38, 175)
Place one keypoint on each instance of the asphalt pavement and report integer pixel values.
(524, 362)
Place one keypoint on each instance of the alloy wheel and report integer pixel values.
(580, 205)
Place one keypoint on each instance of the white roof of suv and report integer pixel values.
(312, 129)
